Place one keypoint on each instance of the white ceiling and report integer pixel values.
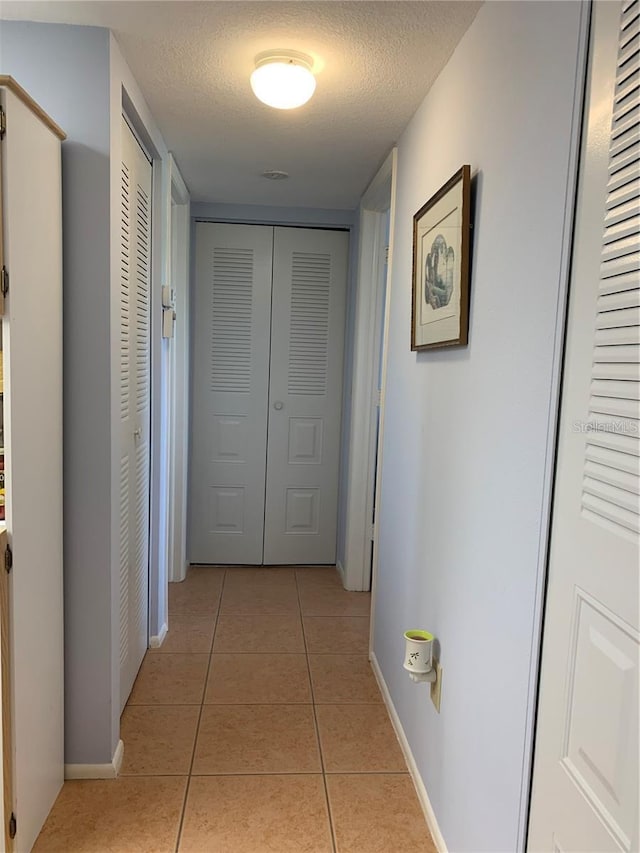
(374, 62)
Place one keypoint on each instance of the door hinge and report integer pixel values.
(4, 281)
(13, 826)
(3, 123)
(8, 559)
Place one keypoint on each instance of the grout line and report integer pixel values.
(315, 721)
(202, 706)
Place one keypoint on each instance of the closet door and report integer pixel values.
(305, 395)
(135, 376)
(230, 386)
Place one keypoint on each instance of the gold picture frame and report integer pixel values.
(440, 279)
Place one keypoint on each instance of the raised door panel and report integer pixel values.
(232, 309)
(305, 395)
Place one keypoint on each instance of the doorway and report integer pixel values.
(374, 260)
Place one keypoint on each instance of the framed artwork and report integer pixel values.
(440, 291)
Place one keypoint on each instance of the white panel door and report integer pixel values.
(585, 783)
(32, 350)
(135, 385)
(232, 311)
(305, 395)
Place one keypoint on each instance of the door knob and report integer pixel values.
(278, 406)
(137, 433)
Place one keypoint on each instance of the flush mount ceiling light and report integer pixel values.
(283, 79)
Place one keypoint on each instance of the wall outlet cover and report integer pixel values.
(436, 686)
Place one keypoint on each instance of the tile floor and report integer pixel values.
(258, 727)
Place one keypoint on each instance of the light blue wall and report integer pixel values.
(78, 75)
(66, 69)
(462, 523)
(312, 217)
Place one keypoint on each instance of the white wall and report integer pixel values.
(462, 524)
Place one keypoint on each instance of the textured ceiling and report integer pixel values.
(374, 62)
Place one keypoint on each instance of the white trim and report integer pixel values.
(369, 312)
(97, 771)
(158, 639)
(552, 423)
(179, 229)
(385, 359)
(340, 569)
(421, 791)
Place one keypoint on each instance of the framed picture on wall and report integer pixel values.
(440, 291)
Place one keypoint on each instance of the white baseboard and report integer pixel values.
(97, 771)
(421, 791)
(156, 641)
(340, 569)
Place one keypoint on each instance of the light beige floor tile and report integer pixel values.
(258, 679)
(256, 814)
(188, 633)
(337, 634)
(377, 813)
(343, 678)
(358, 739)
(252, 576)
(198, 593)
(326, 576)
(247, 598)
(158, 739)
(172, 679)
(259, 633)
(256, 739)
(125, 815)
(325, 600)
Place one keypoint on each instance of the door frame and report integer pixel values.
(580, 143)
(555, 392)
(288, 217)
(368, 351)
(177, 445)
(143, 130)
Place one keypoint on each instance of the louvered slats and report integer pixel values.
(125, 295)
(137, 590)
(309, 324)
(143, 275)
(611, 481)
(124, 559)
(231, 324)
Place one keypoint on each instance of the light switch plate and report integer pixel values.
(436, 686)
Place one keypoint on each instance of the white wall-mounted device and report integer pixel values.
(418, 656)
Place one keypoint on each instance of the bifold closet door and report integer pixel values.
(267, 394)
(135, 394)
(305, 395)
(232, 309)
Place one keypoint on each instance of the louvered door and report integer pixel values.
(135, 384)
(585, 784)
(267, 394)
(305, 395)
(230, 386)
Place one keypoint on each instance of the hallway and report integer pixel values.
(258, 726)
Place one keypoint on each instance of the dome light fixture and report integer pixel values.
(283, 79)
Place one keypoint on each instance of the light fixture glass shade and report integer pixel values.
(283, 81)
